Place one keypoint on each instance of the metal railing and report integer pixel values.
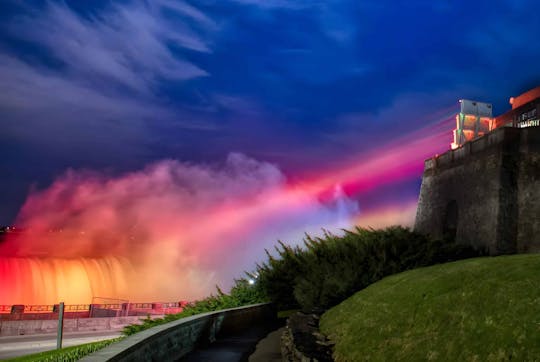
(94, 309)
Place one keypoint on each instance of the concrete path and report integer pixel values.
(232, 348)
(269, 348)
(14, 346)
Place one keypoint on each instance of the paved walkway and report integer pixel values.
(239, 347)
(256, 344)
(269, 348)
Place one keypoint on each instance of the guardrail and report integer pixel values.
(173, 340)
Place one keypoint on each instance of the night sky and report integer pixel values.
(154, 149)
(306, 86)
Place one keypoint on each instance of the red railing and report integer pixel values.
(16, 312)
(38, 308)
(77, 308)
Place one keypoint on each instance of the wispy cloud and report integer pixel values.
(103, 67)
(190, 11)
(31, 89)
(124, 44)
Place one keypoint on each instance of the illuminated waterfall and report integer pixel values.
(50, 280)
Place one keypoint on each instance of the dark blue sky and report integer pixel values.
(115, 85)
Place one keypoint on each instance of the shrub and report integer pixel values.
(331, 268)
(276, 277)
(242, 293)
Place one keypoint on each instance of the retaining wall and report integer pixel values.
(485, 194)
(174, 340)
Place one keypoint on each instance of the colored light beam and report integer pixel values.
(172, 231)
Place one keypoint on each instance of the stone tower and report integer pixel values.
(486, 193)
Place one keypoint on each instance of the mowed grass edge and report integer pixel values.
(477, 309)
(72, 353)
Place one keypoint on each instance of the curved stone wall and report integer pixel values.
(174, 340)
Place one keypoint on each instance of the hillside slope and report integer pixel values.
(476, 309)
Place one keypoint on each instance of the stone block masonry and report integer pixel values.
(485, 194)
(173, 340)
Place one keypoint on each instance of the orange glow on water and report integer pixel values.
(74, 280)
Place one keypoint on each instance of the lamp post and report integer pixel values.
(60, 326)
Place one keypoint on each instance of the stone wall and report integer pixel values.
(481, 193)
(528, 223)
(173, 340)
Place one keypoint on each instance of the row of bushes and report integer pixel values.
(329, 269)
(325, 271)
(242, 293)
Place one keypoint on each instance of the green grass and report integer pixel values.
(483, 309)
(67, 354)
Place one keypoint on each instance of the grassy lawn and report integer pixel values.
(483, 309)
(67, 354)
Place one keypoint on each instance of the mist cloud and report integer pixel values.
(182, 228)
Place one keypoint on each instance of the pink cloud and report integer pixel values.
(174, 230)
(170, 231)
